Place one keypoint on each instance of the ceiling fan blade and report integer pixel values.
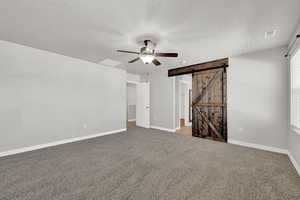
(123, 51)
(134, 60)
(156, 62)
(166, 54)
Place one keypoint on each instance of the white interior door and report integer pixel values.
(143, 105)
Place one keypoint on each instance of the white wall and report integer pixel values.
(293, 137)
(47, 97)
(162, 101)
(258, 98)
(131, 94)
(133, 77)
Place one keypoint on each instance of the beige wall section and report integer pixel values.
(46, 97)
(258, 98)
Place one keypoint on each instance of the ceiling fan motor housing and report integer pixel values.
(149, 44)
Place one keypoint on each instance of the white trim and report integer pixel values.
(132, 82)
(178, 97)
(50, 144)
(297, 167)
(266, 148)
(174, 101)
(295, 129)
(163, 129)
(258, 146)
(131, 120)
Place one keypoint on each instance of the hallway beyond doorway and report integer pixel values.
(186, 130)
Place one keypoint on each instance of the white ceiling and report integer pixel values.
(199, 30)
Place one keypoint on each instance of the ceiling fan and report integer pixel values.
(148, 55)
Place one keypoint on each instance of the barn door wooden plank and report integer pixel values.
(208, 122)
(205, 89)
(209, 104)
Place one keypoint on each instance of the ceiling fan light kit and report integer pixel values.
(148, 55)
(147, 59)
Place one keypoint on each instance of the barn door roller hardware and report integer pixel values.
(288, 52)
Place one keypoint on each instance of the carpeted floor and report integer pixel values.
(148, 164)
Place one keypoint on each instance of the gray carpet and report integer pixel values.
(148, 164)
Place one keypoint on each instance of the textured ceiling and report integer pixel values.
(198, 30)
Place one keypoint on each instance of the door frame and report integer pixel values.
(136, 83)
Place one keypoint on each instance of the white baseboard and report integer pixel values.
(297, 167)
(131, 120)
(273, 149)
(258, 146)
(163, 129)
(50, 144)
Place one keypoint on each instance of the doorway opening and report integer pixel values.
(138, 104)
(184, 99)
(131, 104)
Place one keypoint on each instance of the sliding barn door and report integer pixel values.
(209, 104)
